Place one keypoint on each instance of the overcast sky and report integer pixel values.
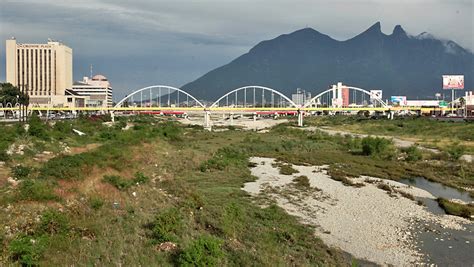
(139, 43)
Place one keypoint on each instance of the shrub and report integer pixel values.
(4, 156)
(378, 147)
(302, 181)
(96, 202)
(140, 178)
(166, 225)
(413, 153)
(204, 251)
(66, 166)
(455, 151)
(37, 127)
(287, 169)
(53, 222)
(456, 209)
(224, 157)
(38, 190)
(21, 172)
(117, 181)
(27, 250)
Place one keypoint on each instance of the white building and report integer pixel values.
(98, 90)
(301, 97)
(43, 71)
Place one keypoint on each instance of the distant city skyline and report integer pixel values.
(142, 43)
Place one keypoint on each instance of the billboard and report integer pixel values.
(453, 81)
(399, 100)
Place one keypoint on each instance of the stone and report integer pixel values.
(167, 246)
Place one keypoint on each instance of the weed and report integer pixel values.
(117, 181)
(378, 147)
(21, 172)
(53, 222)
(455, 151)
(456, 209)
(38, 190)
(27, 250)
(204, 251)
(413, 153)
(302, 181)
(167, 225)
(385, 187)
(140, 178)
(287, 169)
(96, 202)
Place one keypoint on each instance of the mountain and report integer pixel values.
(399, 64)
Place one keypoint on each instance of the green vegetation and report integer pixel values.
(413, 153)
(430, 133)
(302, 181)
(204, 251)
(186, 185)
(463, 210)
(378, 147)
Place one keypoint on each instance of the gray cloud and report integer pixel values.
(138, 43)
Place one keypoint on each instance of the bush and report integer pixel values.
(455, 151)
(4, 156)
(140, 178)
(38, 190)
(302, 181)
(21, 172)
(413, 153)
(287, 169)
(378, 147)
(456, 209)
(166, 225)
(117, 181)
(224, 157)
(37, 127)
(204, 251)
(53, 222)
(66, 166)
(96, 202)
(27, 250)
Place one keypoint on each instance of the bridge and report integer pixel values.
(251, 100)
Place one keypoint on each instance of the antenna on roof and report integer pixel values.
(91, 71)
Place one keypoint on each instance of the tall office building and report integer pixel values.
(44, 71)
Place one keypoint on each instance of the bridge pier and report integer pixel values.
(207, 120)
(300, 118)
(112, 116)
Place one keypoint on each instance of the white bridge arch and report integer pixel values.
(163, 90)
(312, 100)
(254, 97)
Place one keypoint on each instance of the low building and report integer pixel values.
(97, 89)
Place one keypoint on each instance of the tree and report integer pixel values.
(12, 94)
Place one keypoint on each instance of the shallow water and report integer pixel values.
(437, 189)
(441, 246)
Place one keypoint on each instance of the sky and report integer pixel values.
(140, 43)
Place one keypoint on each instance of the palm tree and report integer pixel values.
(12, 94)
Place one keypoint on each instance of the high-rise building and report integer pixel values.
(97, 89)
(345, 96)
(44, 71)
(301, 97)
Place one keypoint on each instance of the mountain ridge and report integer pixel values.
(398, 63)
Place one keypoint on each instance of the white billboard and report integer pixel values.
(399, 100)
(453, 82)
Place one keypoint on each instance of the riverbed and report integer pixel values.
(367, 222)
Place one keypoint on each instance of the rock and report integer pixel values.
(2, 163)
(47, 152)
(13, 182)
(134, 194)
(167, 246)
